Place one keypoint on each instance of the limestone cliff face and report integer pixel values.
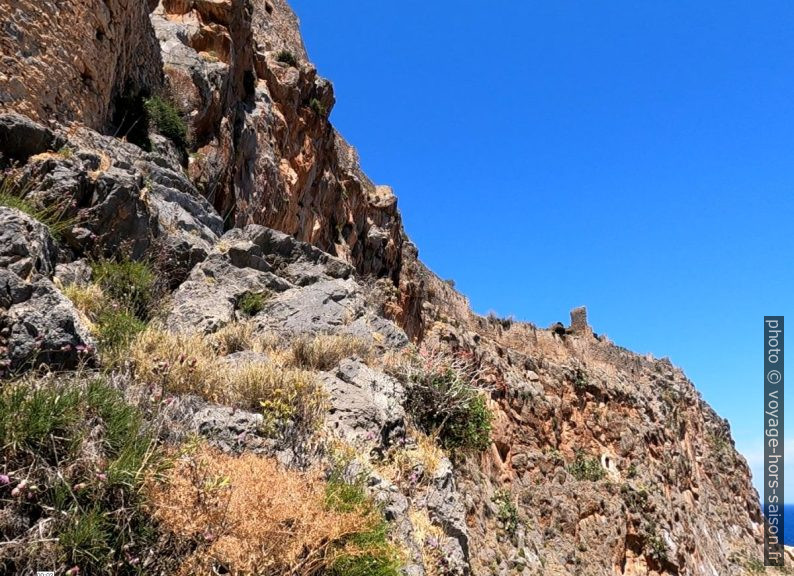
(72, 61)
(615, 463)
(264, 151)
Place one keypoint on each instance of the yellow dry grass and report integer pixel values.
(88, 299)
(324, 351)
(193, 364)
(227, 507)
(427, 537)
(425, 455)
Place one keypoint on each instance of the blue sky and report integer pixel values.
(634, 157)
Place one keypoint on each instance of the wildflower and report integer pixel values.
(4, 479)
(101, 476)
(73, 571)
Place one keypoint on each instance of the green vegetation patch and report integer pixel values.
(167, 119)
(443, 400)
(79, 454)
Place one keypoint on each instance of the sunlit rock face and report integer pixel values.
(600, 461)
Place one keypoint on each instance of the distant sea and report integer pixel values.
(788, 524)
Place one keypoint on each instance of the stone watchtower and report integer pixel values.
(579, 325)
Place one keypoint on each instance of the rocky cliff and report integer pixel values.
(181, 220)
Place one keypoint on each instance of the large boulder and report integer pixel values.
(111, 196)
(366, 406)
(38, 325)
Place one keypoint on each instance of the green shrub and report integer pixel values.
(367, 553)
(131, 284)
(78, 455)
(583, 468)
(636, 500)
(506, 511)
(288, 58)
(251, 303)
(755, 566)
(656, 548)
(442, 400)
(318, 107)
(581, 382)
(116, 328)
(167, 119)
(379, 558)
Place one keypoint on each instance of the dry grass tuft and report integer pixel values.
(428, 537)
(193, 364)
(234, 337)
(89, 300)
(226, 510)
(415, 465)
(324, 351)
(180, 363)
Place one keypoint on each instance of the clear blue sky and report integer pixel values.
(634, 157)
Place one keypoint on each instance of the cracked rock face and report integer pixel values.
(304, 290)
(69, 61)
(38, 325)
(365, 405)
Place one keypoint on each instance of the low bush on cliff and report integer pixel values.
(167, 119)
(318, 107)
(443, 401)
(583, 468)
(130, 283)
(288, 58)
(251, 303)
(117, 304)
(74, 458)
(224, 512)
(506, 511)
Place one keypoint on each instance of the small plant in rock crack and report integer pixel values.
(636, 499)
(167, 119)
(580, 383)
(251, 303)
(655, 546)
(756, 566)
(318, 107)
(583, 468)
(506, 511)
(288, 58)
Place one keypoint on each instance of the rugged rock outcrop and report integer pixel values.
(76, 61)
(602, 461)
(38, 325)
(265, 152)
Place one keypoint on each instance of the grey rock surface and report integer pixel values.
(365, 405)
(38, 325)
(306, 290)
